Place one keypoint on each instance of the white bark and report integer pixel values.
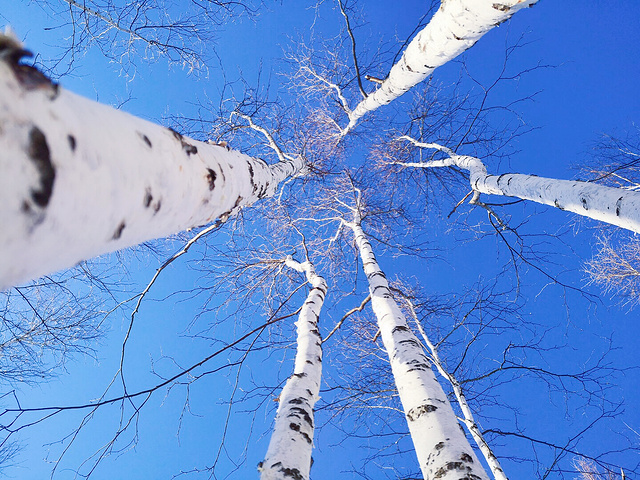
(455, 27)
(616, 206)
(289, 453)
(80, 179)
(440, 443)
(469, 420)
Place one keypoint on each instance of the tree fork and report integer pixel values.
(80, 179)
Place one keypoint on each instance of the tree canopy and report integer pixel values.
(167, 359)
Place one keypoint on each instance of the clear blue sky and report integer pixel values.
(590, 91)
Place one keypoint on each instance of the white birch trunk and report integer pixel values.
(616, 206)
(441, 446)
(289, 453)
(469, 420)
(455, 27)
(79, 179)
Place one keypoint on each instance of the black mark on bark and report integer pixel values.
(400, 328)
(618, 205)
(417, 412)
(292, 472)
(148, 198)
(501, 7)
(211, 178)
(145, 139)
(28, 76)
(72, 142)
(251, 174)
(458, 466)
(302, 413)
(41, 157)
(118, 233)
(187, 147)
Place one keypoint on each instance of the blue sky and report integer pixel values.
(590, 89)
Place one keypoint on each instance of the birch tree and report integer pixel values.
(615, 206)
(440, 444)
(289, 453)
(94, 179)
(469, 420)
(455, 27)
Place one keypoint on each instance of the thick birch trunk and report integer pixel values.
(440, 443)
(79, 179)
(289, 453)
(455, 27)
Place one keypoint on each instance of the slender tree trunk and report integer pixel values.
(616, 206)
(441, 446)
(469, 420)
(80, 179)
(289, 453)
(455, 27)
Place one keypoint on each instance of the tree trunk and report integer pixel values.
(289, 453)
(455, 27)
(441, 446)
(615, 206)
(469, 420)
(611, 205)
(80, 179)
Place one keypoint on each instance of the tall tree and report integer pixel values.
(455, 27)
(289, 453)
(441, 446)
(69, 158)
(616, 206)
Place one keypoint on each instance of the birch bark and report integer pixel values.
(455, 27)
(440, 443)
(289, 453)
(616, 206)
(80, 179)
(469, 420)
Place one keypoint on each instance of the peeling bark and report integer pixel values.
(441, 446)
(80, 179)
(455, 27)
(289, 453)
